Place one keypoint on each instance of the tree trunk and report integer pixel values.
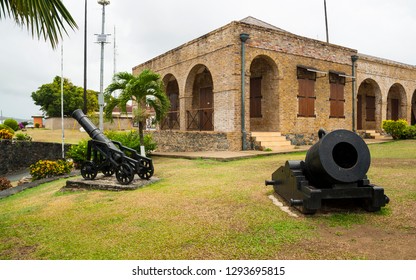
(141, 136)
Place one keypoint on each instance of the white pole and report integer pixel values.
(62, 99)
(102, 41)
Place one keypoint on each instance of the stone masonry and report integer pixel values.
(204, 80)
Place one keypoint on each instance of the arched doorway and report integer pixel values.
(396, 103)
(264, 112)
(172, 120)
(199, 102)
(368, 105)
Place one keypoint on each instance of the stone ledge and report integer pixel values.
(106, 183)
(22, 187)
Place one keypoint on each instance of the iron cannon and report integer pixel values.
(111, 157)
(334, 170)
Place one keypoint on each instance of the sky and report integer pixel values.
(145, 29)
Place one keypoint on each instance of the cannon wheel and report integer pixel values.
(107, 170)
(124, 174)
(89, 170)
(145, 171)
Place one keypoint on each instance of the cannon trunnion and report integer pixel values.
(334, 169)
(111, 157)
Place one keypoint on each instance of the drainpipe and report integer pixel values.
(243, 37)
(354, 59)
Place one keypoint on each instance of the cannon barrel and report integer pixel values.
(91, 129)
(340, 156)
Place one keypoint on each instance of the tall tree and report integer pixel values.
(43, 18)
(146, 90)
(48, 97)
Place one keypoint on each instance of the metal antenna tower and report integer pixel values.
(102, 39)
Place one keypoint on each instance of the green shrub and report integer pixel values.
(410, 132)
(13, 124)
(149, 144)
(78, 152)
(3, 126)
(131, 139)
(22, 136)
(5, 134)
(395, 128)
(4, 183)
(49, 168)
(37, 125)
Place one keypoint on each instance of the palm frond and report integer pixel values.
(42, 18)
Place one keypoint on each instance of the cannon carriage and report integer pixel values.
(334, 169)
(111, 157)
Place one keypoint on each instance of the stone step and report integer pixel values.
(372, 134)
(275, 143)
(271, 140)
(265, 133)
(382, 137)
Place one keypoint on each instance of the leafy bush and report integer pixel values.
(5, 134)
(78, 152)
(22, 136)
(49, 168)
(37, 125)
(131, 139)
(149, 144)
(410, 132)
(4, 183)
(13, 124)
(395, 128)
(3, 126)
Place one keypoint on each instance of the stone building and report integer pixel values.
(252, 85)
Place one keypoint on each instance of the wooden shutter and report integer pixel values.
(394, 109)
(306, 93)
(255, 97)
(336, 98)
(370, 108)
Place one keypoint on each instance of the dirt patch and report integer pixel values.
(359, 242)
(18, 251)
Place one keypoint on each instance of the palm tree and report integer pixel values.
(43, 18)
(145, 89)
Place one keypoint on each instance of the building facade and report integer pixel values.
(249, 76)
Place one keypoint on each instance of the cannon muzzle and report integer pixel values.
(338, 157)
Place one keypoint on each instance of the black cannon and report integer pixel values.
(334, 170)
(111, 157)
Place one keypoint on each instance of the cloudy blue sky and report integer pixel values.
(144, 29)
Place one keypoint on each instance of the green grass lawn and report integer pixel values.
(202, 209)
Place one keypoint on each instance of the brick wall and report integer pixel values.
(274, 55)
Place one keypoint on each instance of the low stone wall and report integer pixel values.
(16, 155)
(302, 139)
(195, 141)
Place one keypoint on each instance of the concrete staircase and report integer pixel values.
(372, 134)
(271, 140)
